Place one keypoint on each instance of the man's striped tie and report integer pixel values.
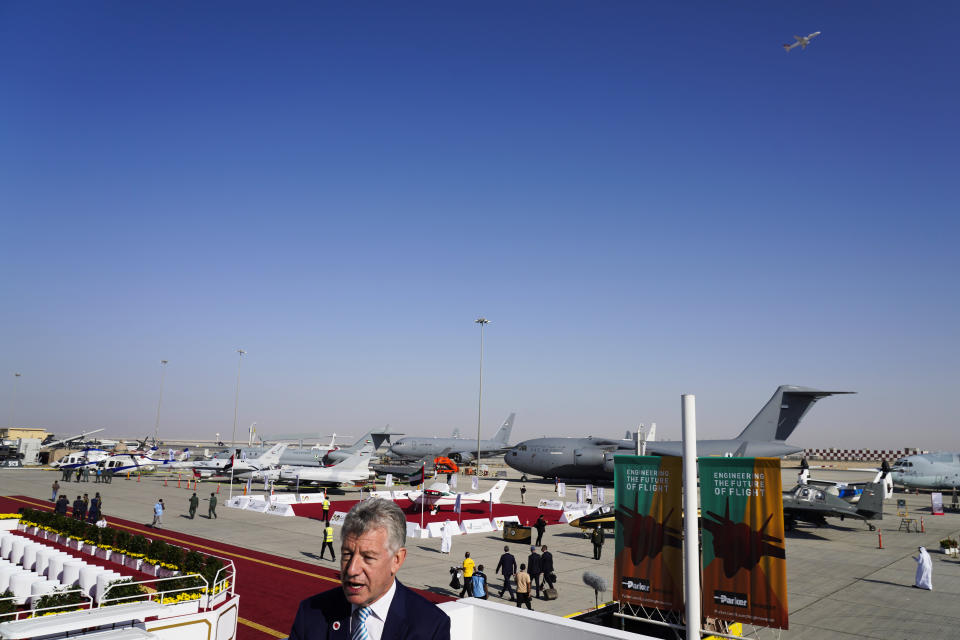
(360, 630)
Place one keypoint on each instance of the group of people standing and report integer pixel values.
(83, 474)
(83, 508)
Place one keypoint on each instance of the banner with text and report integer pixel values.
(744, 561)
(648, 566)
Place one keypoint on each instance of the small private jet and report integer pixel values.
(438, 494)
(355, 468)
(801, 41)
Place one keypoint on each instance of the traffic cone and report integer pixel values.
(178, 481)
(218, 488)
(164, 481)
(879, 539)
(138, 477)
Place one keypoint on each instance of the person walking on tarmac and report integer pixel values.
(523, 587)
(327, 542)
(56, 489)
(507, 567)
(540, 525)
(194, 503)
(326, 509)
(468, 565)
(212, 510)
(535, 567)
(596, 537)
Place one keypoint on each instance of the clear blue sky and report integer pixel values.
(645, 199)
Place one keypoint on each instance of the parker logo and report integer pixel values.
(635, 584)
(730, 599)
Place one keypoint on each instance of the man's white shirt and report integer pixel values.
(378, 613)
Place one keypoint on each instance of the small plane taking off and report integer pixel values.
(801, 41)
(928, 471)
(804, 503)
(438, 495)
(592, 458)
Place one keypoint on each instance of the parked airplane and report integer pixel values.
(438, 495)
(928, 471)
(136, 461)
(850, 491)
(355, 468)
(804, 503)
(801, 41)
(591, 458)
(458, 449)
(321, 456)
(240, 467)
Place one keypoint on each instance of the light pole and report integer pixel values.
(480, 321)
(156, 428)
(236, 412)
(13, 401)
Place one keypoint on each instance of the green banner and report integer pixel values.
(744, 561)
(648, 567)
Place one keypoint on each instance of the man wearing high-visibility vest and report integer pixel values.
(326, 509)
(327, 542)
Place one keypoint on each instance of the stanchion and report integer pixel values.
(128, 475)
(879, 539)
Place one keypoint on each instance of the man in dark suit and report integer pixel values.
(506, 567)
(546, 566)
(370, 603)
(535, 569)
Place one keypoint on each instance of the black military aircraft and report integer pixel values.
(806, 503)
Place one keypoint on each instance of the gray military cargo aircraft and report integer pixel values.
(591, 458)
(928, 471)
(458, 449)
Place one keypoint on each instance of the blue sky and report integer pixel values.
(645, 200)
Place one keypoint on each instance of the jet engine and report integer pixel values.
(588, 457)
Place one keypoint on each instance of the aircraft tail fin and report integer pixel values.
(497, 490)
(503, 433)
(870, 505)
(783, 412)
(355, 461)
(787, 47)
(273, 455)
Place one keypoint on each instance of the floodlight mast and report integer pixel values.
(482, 322)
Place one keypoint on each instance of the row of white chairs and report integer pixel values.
(31, 569)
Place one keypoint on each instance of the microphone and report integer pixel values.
(595, 582)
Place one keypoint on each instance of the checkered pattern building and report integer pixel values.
(865, 455)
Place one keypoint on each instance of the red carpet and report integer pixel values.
(527, 514)
(266, 611)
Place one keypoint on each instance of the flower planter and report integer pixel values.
(133, 563)
(180, 609)
(212, 601)
(118, 557)
(89, 549)
(74, 544)
(10, 524)
(163, 572)
(149, 569)
(103, 554)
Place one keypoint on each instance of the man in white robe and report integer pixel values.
(924, 579)
(446, 537)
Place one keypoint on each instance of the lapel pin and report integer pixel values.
(336, 626)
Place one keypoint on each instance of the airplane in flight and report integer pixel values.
(438, 494)
(801, 41)
(805, 503)
(928, 471)
(457, 449)
(591, 458)
(355, 468)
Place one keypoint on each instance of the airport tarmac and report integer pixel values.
(840, 584)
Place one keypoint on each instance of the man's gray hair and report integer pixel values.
(374, 513)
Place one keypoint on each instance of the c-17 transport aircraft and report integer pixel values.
(928, 471)
(458, 449)
(801, 41)
(592, 458)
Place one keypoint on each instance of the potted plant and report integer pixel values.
(949, 546)
(106, 544)
(120, 546)
(136, 551)
(90, 537)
